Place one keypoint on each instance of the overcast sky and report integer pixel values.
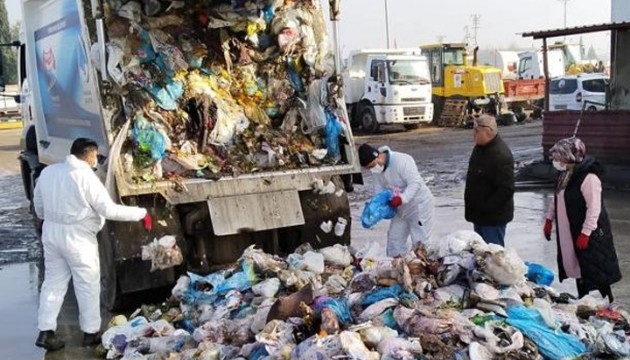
(417, 22)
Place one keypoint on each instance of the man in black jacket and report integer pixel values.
(489, 192)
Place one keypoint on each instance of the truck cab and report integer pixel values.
(388, 87)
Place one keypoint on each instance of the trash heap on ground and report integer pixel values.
(223, 87)
(459, 298)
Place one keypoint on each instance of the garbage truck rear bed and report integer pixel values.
(227, 123)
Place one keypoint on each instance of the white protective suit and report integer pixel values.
(74, 204)
(415, 216)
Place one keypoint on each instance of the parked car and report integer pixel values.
(570, 91)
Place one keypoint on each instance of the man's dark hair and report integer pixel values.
(81, 147)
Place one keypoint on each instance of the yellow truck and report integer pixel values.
(459, 88)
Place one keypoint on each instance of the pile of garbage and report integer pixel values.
(216, 87)
(459, 298)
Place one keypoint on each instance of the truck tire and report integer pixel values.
(368, 120)
(411, 126)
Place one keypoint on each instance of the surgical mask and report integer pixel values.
(377, 169)
(559, 166)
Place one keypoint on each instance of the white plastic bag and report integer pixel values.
(337, 255)
(355, 348)
(267, 288)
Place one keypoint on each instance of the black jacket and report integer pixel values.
(598, 263)
(489, 192)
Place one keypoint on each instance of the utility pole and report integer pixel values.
(476, 19)
(565, 11)
(387, 24)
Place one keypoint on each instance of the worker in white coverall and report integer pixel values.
(74, 204)
(412, 198)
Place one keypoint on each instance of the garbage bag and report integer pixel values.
(163, 253)
(355, 348)
(267, 288)
(377, 209)
(315, 348)
(335, 284)
(337, 255)
(314, 117)
(217, 283)
(453, 243)
(148, 138)
(396, 348)
(552, 345)
(610, 342)
(504, 265)
(340, 307)
(393, 292)
(539, 274)
(377, 309)
(499, 337)
(333, 130)
(373, 335)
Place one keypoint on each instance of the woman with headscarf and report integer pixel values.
(585, 243)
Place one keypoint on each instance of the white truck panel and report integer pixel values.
(620, 11)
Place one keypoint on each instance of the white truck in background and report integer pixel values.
(506, 60)
(388, 87)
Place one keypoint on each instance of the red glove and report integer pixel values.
(582, 242)
(547, 229)
(396, 201)
(147, 222)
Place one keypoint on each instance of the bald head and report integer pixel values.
(485, 129)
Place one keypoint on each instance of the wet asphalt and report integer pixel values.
(441, 155)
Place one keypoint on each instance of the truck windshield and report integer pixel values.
(408, 71)
(453, 57)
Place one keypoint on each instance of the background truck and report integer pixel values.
(68, 94)
(388, 87)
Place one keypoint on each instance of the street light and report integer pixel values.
(565, 11)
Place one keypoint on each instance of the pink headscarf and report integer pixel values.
(569, 151)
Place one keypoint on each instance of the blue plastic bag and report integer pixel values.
(539, 274)
(166, 96)
(377, 209)
(377, 295)
(148, 138)
(341, 309)
(552, 345)
(241, 281)
(333, 130)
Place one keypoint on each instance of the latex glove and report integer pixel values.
(396, 201)
(147, 222)
(547, 229)
(582, 242)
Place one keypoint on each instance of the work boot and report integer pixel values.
(90, 340)
(49, 341)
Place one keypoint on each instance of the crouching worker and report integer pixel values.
(412, 199)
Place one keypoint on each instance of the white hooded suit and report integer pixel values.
(415, 216)
(74, 204)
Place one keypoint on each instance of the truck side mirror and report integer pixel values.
(383, 91)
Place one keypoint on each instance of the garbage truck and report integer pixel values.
(227, 121)
(388, 87)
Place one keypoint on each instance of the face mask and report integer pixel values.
(377, 169)
(559, 166)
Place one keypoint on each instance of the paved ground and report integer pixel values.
(441, 154)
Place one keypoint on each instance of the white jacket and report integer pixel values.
(402, 174)
(70, 193)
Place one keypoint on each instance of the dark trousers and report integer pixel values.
(492, 234)
(605, 291)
